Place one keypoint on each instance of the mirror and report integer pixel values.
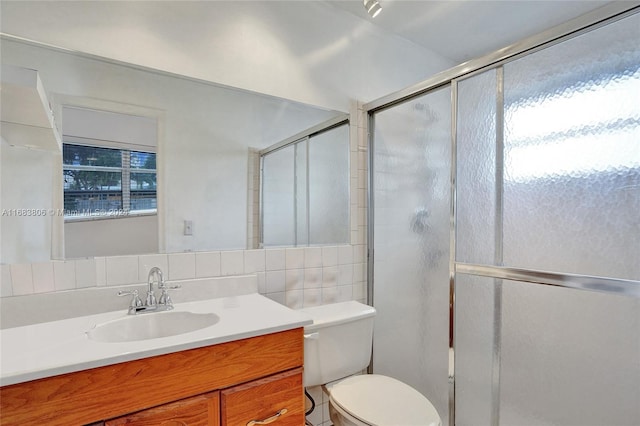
(208, 138)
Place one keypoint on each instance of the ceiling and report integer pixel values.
(310, 51)
(460, 30)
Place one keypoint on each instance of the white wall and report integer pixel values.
(307, 51)
(111, 237)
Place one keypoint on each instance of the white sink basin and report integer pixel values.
(150, 326)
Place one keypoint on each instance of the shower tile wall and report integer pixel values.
(253, 198)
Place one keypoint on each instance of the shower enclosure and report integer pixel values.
(305, 187)
(505, 231)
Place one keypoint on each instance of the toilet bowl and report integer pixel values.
(337, 346)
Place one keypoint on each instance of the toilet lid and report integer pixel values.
(383, 401)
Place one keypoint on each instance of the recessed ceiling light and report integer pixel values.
(373, 7)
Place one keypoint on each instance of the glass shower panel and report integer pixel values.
(329, 186)
(412, 175)
(572, 155)
(277, 198)
(571, 188)
(568, 357)
(476, 157)
(474, 349)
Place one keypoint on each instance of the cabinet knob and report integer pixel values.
(268, 420)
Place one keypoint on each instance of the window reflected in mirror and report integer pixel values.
(110, 182)
(105, 182)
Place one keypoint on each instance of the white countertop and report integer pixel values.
(57, 347)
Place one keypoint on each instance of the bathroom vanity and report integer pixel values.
(246, 369)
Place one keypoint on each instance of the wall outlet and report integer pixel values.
(188, 227)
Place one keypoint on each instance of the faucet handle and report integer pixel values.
(165, 299)
(135, 301)
(163, 286)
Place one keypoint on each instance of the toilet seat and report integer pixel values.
(378, 400)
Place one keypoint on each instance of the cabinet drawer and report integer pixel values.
(279, 398)
(201, 410)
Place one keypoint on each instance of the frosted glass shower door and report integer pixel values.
(329, 187)
(411, 210)
(278, 198)
(305, 189)
(548, 235)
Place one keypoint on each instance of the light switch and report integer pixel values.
(188, 227)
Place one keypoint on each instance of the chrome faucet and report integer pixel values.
(151, 298)
(151, 304)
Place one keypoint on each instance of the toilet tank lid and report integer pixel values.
(337, 313)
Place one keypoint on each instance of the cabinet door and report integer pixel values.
(201, 410)
(278, 399)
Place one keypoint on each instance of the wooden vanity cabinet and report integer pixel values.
(275, 399)
(229, 384)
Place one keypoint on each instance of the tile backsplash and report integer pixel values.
(295, 277)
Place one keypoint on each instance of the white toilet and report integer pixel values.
(337, 345)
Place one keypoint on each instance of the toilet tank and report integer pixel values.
(338, 343)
